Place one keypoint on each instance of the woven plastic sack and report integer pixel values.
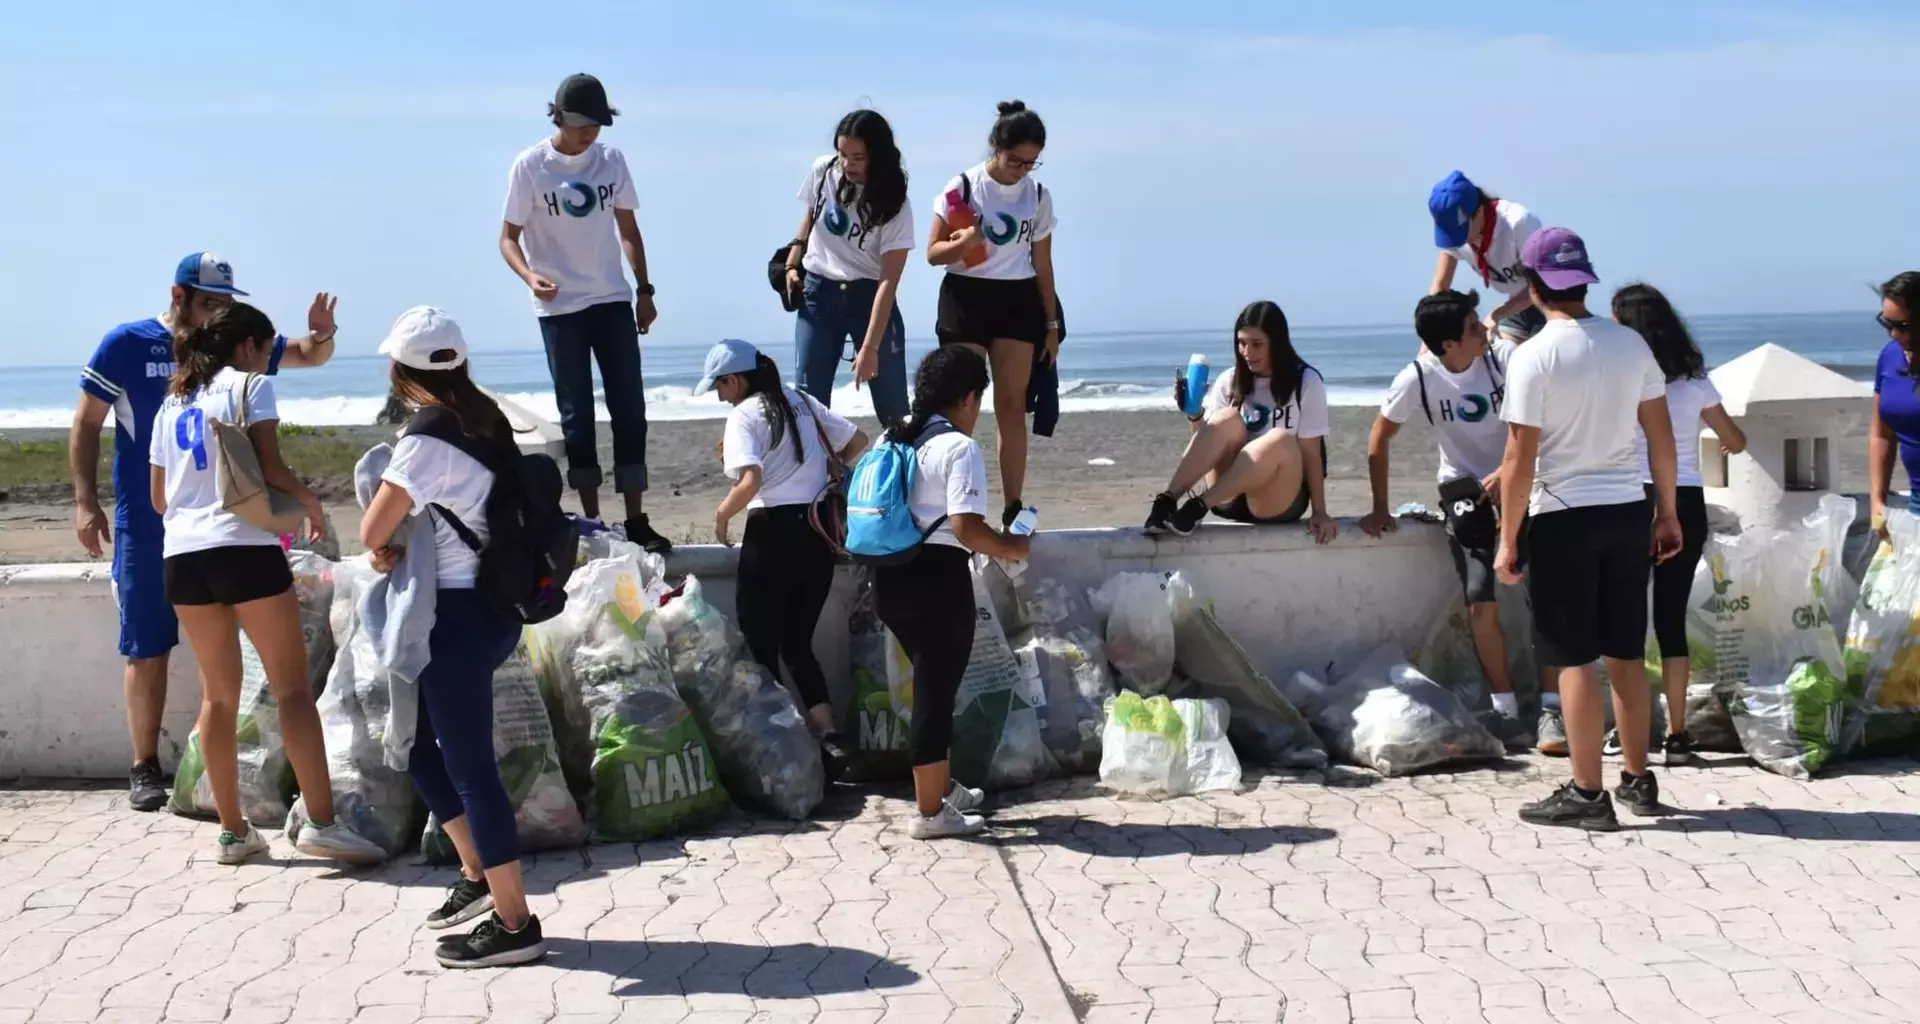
(997, 708)
(1882, 650)
(766, 755)
(875, 721)
(1137, 609)
(544, 813)
(1264, 726)
(1387, 716)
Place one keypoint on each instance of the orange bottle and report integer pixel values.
(960, 216)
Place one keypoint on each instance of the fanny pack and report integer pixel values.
(1469, 513)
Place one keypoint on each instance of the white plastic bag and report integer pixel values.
(1060, 646)
(1137, 608)
(1153, 746)
(1206, 761)
(1386, 716)
(1788, 702)
(996, 711)
(1882, 651)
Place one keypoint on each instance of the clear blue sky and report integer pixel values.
(1751, 156)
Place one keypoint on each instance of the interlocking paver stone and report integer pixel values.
(1301, 899)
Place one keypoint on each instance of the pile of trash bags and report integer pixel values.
(1882, 647)
(1388, 716)
(1153, 746)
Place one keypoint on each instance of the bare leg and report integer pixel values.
(821, 715)
(1674, 673)
(146, 693)
(930, 787)
(1580, 702)
(1211, 448)
(590, 502)
(211, 629)
(636, 503)
(1012, 367)
(1632, 709)
(1267, 471)
(1490, 645)
(273, 624)
(508, 886)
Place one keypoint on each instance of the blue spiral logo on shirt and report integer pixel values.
(1474, 408)
(836, 220)
(587, 199)
(1008, 229)
(190, 433)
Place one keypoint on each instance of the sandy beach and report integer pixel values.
(1063, 481)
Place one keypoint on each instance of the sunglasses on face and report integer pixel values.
(1902, 326)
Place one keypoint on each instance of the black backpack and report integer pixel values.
(531, 544)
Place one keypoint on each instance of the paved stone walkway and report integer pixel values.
(1358, 900)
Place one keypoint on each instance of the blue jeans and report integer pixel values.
(452, 763)
(575, 341)
(833, 313)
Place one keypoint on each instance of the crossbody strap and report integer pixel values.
(1421, 374)
(460, 529)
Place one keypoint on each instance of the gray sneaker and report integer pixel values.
(337, 842)
(236, 849)
(965, 798)
(1552, 730)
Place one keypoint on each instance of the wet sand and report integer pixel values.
(1069, 490)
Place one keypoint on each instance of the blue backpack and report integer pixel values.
(880, 526)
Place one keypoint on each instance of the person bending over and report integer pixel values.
(1258, 446)
(1487, 234)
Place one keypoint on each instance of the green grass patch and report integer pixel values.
(33, 462)
(318, 456)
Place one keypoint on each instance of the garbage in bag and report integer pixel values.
(1265, 727)
(1838, 589)
(1137, 608)
(997, 708)
(875, 722)
(1708, 723)
(653, 773)
(1774, 640)
(1155, 746)
(1058, 643)
(266, 777)
(1447, 654)
(761, 745)
(1882, 654)
(544, 813)
(605, 596)
(1387, 716)
(373, 800)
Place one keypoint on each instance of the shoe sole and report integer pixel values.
(1553, 748)
(1640, 811)
(510, 958)
(964, 834)
(468, 913)
(1579, 823)
(147, 806)
(357, 858)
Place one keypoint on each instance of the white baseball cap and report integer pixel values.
(420, 334)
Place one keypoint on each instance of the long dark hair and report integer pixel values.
(1286, 369)
(454, 390)
(1643, 308)
(203, 352)
(885, 190)
(1016, 126)
(947, 376)
(1904, 288)
(764, 380)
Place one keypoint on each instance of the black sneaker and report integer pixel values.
(1640, 793)
(1679, 750)
(1567, 808)
(492, 945)
(146, 787)
(833, 757)
(466, 900)
(641, 532)
(1511, 732)
(1188, 518)
(1164, 506)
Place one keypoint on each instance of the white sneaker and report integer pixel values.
(236, 849)
(949, 822)
(337, 842)
(964, 798)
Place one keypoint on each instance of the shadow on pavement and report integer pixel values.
(668, 968)
(1793, 823)
(1100, 839)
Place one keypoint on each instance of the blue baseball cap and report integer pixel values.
(724, 360)
(206, 272)
(1452, 204)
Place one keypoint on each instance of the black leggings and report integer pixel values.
(1673, 578)
(785, 572)
(928, 605)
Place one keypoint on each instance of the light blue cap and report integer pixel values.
(724, 360)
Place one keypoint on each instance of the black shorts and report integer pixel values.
(1588, 583)
(978, 310)
(1524, 324)
(228, 576)
(1474, 565)
(1238, 511)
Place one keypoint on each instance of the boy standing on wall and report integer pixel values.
(1574, 394)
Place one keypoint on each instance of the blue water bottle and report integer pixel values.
(1196, 384)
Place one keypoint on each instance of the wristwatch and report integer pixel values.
(644, 289)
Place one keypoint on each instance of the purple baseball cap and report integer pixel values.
(1559, 257)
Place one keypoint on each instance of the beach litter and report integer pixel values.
(1881, 652)
(1265, 727)
(875, 721)
(1387, 716)
(1057, 640)
(1100, 462)
(1137, 611)
(1153, 746)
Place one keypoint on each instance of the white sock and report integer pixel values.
(1550, 700)
(1507, 704)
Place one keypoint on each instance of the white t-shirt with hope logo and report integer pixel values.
(565, 204)
(839, 246)
(1464, 407)
(195, 520)
(1685, 400)
(1512, 226)
(1305, 414)
(749, 441)
(1012, 217)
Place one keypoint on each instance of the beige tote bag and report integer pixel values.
(236, 472)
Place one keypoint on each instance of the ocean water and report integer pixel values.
(1113, 371)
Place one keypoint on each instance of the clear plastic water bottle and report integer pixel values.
(1025, 523)
(1197, 370)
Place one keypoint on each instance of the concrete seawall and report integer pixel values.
(1290, 602)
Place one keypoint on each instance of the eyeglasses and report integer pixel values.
(1902, 326)
(1019, 164)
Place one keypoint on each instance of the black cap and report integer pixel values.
(582, 100)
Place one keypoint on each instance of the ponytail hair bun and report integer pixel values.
(1010, 107)
(1017, 126)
